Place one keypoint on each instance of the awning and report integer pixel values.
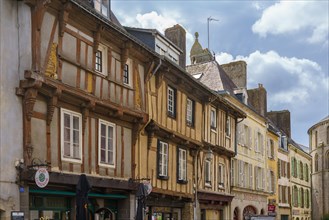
(72, 194)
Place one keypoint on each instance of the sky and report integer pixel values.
(284, 43)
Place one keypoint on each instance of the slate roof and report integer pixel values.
(212, 75)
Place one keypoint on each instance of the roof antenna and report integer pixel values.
(208, 21)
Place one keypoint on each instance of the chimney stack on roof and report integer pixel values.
(257, 98)
(282, 120)
(177, 35)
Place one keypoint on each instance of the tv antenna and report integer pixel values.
(208, 21)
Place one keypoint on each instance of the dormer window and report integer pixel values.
(102, 6)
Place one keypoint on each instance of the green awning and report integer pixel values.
(72, 194)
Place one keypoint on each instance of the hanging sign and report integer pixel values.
(41, 177)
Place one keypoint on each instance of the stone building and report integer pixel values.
(319, 149)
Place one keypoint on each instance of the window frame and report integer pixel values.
(180, 165)
(71, 114)
(221, 176)
(190, 117)
(207, 173)
(171, 101)
(162, 169)
(126, 75)
(213, 118)
(113, 126)
(103, 59)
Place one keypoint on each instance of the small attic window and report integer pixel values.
(102, 6)
(198, 76)
(240, 96)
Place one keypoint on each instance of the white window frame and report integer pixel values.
(207, 172)
(221, 175)
(171, 101)
(71, 114)
(189, 112)
(163, 159)
(106, 163)
(101, 7)
(228, 126)
(103, 49)
(213, 118)
(182, 165)
(130, 79)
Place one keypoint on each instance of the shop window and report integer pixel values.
(171, 102)
(189, 112)
(162, 160)
(182, 166)
(71, 136)
(106, 143)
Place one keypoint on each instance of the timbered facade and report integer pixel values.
(84, 106)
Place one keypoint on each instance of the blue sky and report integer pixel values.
(285, 45)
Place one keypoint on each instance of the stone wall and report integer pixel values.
(237, 71)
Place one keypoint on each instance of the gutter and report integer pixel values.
(157, 68)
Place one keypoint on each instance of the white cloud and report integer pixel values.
(298, 17)
(224, 58)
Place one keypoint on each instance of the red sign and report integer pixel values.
(271, 208)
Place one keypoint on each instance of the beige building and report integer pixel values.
(319, 149)
(300, 182)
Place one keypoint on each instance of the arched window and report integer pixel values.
(316, 139)
(302, 197)
(295, 196)
(249, 210)
(295, 168)
(308, 198)
(236, 214)
(306, 172)
(316, 163)
(327, 159)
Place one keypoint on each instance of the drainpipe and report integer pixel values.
(158, 66)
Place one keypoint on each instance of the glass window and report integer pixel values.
(106, 143)
(171, 102)
(126, 78)
(228, 126)
(162, 159)
(182, 164)
(101, 60)
(213, 118)
(102, 6)
(221, 175)
(207, 172)
(71, 133)
(98, 61)
(189, 112)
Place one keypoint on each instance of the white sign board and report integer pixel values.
(41, 177)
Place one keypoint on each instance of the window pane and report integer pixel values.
(76, 153)
(103, 155)
(76, 122)
(66, 120)
(103, 130)
(110, 156)
(76, 137)
(67, 134)
(66, 149)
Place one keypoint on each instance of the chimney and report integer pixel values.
(257, 98)
(237, 71)
(281, 119)
(177, 35)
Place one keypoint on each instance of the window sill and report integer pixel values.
(71, 160)
(208, 185)
(190, 124)
(171, 115)
(105, 165)
(182, 182)
(163, 177)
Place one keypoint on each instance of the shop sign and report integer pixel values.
(17, 215)
(41, 177)
(271, 208)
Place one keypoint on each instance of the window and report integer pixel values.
(259, 178)
(316, 138)
(162, 159)
(126, 77)
(228, 126)
(213, 118)
(189, 112)
(182, 156)
(327, 160)
(106, 143)
(271, 182)
(101, 60)
(302, 197)
(171, 102)
(102, 6)
(98, 61)
(306, 173)
(207, 172)
(301, 171)
(270, 149)
(283, 194)
(221, 175)
(71, 135)
(295, 196)
(316, 163)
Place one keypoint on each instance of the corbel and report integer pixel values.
(125, 53)
(149, 71)
(64, 17)
(97, 37)
(151, 128)
(29, 101)
(52, 104)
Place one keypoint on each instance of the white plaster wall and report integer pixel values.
(15, 57)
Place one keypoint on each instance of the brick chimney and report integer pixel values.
(257, 98)
(177, 35)
(281, 119)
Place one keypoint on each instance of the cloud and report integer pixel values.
(295, 17)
